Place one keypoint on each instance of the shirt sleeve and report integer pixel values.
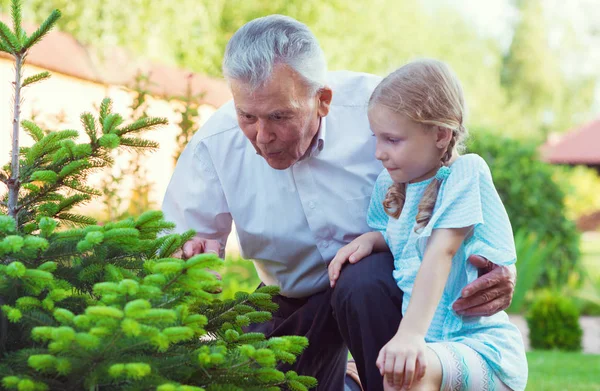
(468, 198)
(194, 198)
(377, 219)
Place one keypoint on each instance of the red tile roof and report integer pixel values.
(581, 146)
(62, 53)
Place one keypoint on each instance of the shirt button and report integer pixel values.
(311, 205)
(325, 244)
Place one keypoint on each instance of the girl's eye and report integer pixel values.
(393, 140)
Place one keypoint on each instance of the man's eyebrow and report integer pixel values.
(282, 112)
(240, 111)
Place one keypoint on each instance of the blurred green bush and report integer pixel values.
(553, 322)
(534, 201)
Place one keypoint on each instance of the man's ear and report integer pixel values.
(325, 96)
(443, 137)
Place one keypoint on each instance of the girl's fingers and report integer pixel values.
(399, 373)
(357, 255)
(380, 363)
(421, 366)
(390, 362)
(409, 371)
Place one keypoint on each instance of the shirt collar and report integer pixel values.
(317, 145)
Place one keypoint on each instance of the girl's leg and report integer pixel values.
(432, 380)
(463, 369)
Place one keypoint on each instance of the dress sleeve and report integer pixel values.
(194, 198)
(468, 198)
(377, 219)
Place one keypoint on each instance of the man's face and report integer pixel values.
(280, 118)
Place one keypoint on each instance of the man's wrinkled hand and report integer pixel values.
(198, 245)
(491, 293)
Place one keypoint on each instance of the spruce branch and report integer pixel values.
(16, 17)
(34, 131)
(4, 47)
(9, 39)
(36, 78)
(142, 124)
(42, 30)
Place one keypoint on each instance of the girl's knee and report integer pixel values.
(432, 381)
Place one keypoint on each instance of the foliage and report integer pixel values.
(239, 275)
(551, 101)
(534, 201)
(582, 189)
(532, 255)
(109, 307)
(553, 322)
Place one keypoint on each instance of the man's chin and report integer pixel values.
(279, 163)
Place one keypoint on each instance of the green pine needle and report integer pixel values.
(9, 39)
(105, 109)
(5, 48)
(89, 125)
(36, 78)
(16, 16)
(78, 220)
(142, 124)
(42, 30)
(138, 143)
(34, 131)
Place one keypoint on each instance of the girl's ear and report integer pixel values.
(443, 137)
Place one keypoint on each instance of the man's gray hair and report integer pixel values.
(262, 43)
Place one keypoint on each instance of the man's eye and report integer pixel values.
(277, 117)
(393, 140)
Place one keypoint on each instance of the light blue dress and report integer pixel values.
(467, 197)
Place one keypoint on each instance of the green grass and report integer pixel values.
(559, 371)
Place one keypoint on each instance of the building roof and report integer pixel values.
(61, 53)
(580, 146)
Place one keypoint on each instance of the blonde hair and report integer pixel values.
(429, 93)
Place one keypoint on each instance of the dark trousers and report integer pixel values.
(367, 304)
(361, 313)
(326, 355)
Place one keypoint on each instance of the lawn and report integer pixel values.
(559, 371)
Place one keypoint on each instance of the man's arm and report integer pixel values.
(195, 200)
(491, 293)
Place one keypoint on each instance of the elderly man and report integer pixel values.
(291, 162)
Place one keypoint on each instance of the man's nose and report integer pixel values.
(263, 134)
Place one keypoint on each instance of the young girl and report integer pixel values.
(432, 209)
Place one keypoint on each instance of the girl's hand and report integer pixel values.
(402, 360)
(352, 252)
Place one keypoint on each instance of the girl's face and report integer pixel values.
(411, 152)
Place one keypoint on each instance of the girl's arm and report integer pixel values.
(402, 360)
(431, 279)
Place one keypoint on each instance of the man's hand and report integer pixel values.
(198, 245)
(492, 292)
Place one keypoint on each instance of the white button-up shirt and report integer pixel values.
(289, 222)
